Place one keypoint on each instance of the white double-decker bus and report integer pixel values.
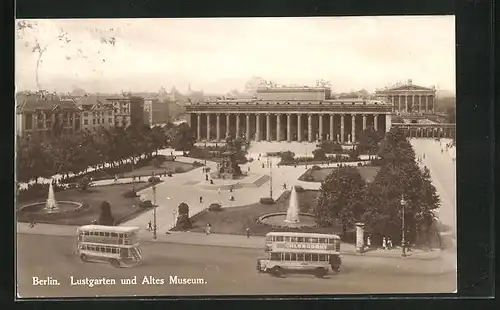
(114, 244)
(300, 252)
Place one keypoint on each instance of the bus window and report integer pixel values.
(323, 240)
(300, 257)
(108, 250)
(314, 257)
(269, 238)
(288, 239)
(120, 235)
(275, 256)
(106, 234)
(293, 257)
(293, 239)
(337, 247)
(322, 257)
(331, 241)
(287, 256)
(314, 240)
(307, 257)
(279, 238)
(114, 235)
(300, 239)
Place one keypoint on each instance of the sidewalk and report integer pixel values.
(223, 240)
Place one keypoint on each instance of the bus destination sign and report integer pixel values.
(306, 246)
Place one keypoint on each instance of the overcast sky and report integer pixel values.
(217, 55)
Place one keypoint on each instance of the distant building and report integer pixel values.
(156, 112)
(46, 117)
(289, 114)
(127, 110)
(410, 99)
(96, 113)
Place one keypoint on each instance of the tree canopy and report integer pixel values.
(341, 198)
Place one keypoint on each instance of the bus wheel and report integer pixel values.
(115, 263)
(320, 272)
(258, 266)
(83, 257)
(277, 271)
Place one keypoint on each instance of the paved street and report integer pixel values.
(184, 187)
(224, 271)
(443, 172)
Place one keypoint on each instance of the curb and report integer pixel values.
(244, 246)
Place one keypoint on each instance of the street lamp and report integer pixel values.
(403, 241)
(154, 207)
(270, 178)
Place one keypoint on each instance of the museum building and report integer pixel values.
(288, 114)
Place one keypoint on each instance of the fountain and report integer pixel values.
(51, 204)
(290, 218)
(292, 215)
(50, 208)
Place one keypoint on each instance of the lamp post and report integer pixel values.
(403, 241)
(154, 208)
(306, 154)
(270, 178)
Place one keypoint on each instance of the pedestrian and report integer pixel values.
(231, 189)
(408, 246)
(208, 229)
(32, 223)
(284, 185)
(218, 190)
(248, 168)
(389, 243)
(262, 165)
(248, 232)
(369, 241)
(150, 226)
(201, 199)
(206, 177)
(384, 243)
(116, 178)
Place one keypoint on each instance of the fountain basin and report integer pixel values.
(37, 211)
(279, 219)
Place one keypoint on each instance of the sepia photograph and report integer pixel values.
(235, 156)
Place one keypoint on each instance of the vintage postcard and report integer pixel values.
(235, 156)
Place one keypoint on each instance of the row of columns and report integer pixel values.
(429, 132)
(310, 137)
(399, 100)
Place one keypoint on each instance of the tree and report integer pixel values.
(32, 36)
(341, 198)
(330, 146)
(319, 154)
(106, 218)
(184, 138)
(368, 140)
(287, 157)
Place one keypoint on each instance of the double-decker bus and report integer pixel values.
(300, 252)
(114, 244)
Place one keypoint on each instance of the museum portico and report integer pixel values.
(288, 114)
(410, 98)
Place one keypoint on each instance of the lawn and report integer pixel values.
(143, 169)
(368, 173)
(236, 220)
(122, 208)
(173, 166)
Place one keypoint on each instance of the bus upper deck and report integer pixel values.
(108, 234)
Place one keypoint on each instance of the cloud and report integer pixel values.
(217, 54)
